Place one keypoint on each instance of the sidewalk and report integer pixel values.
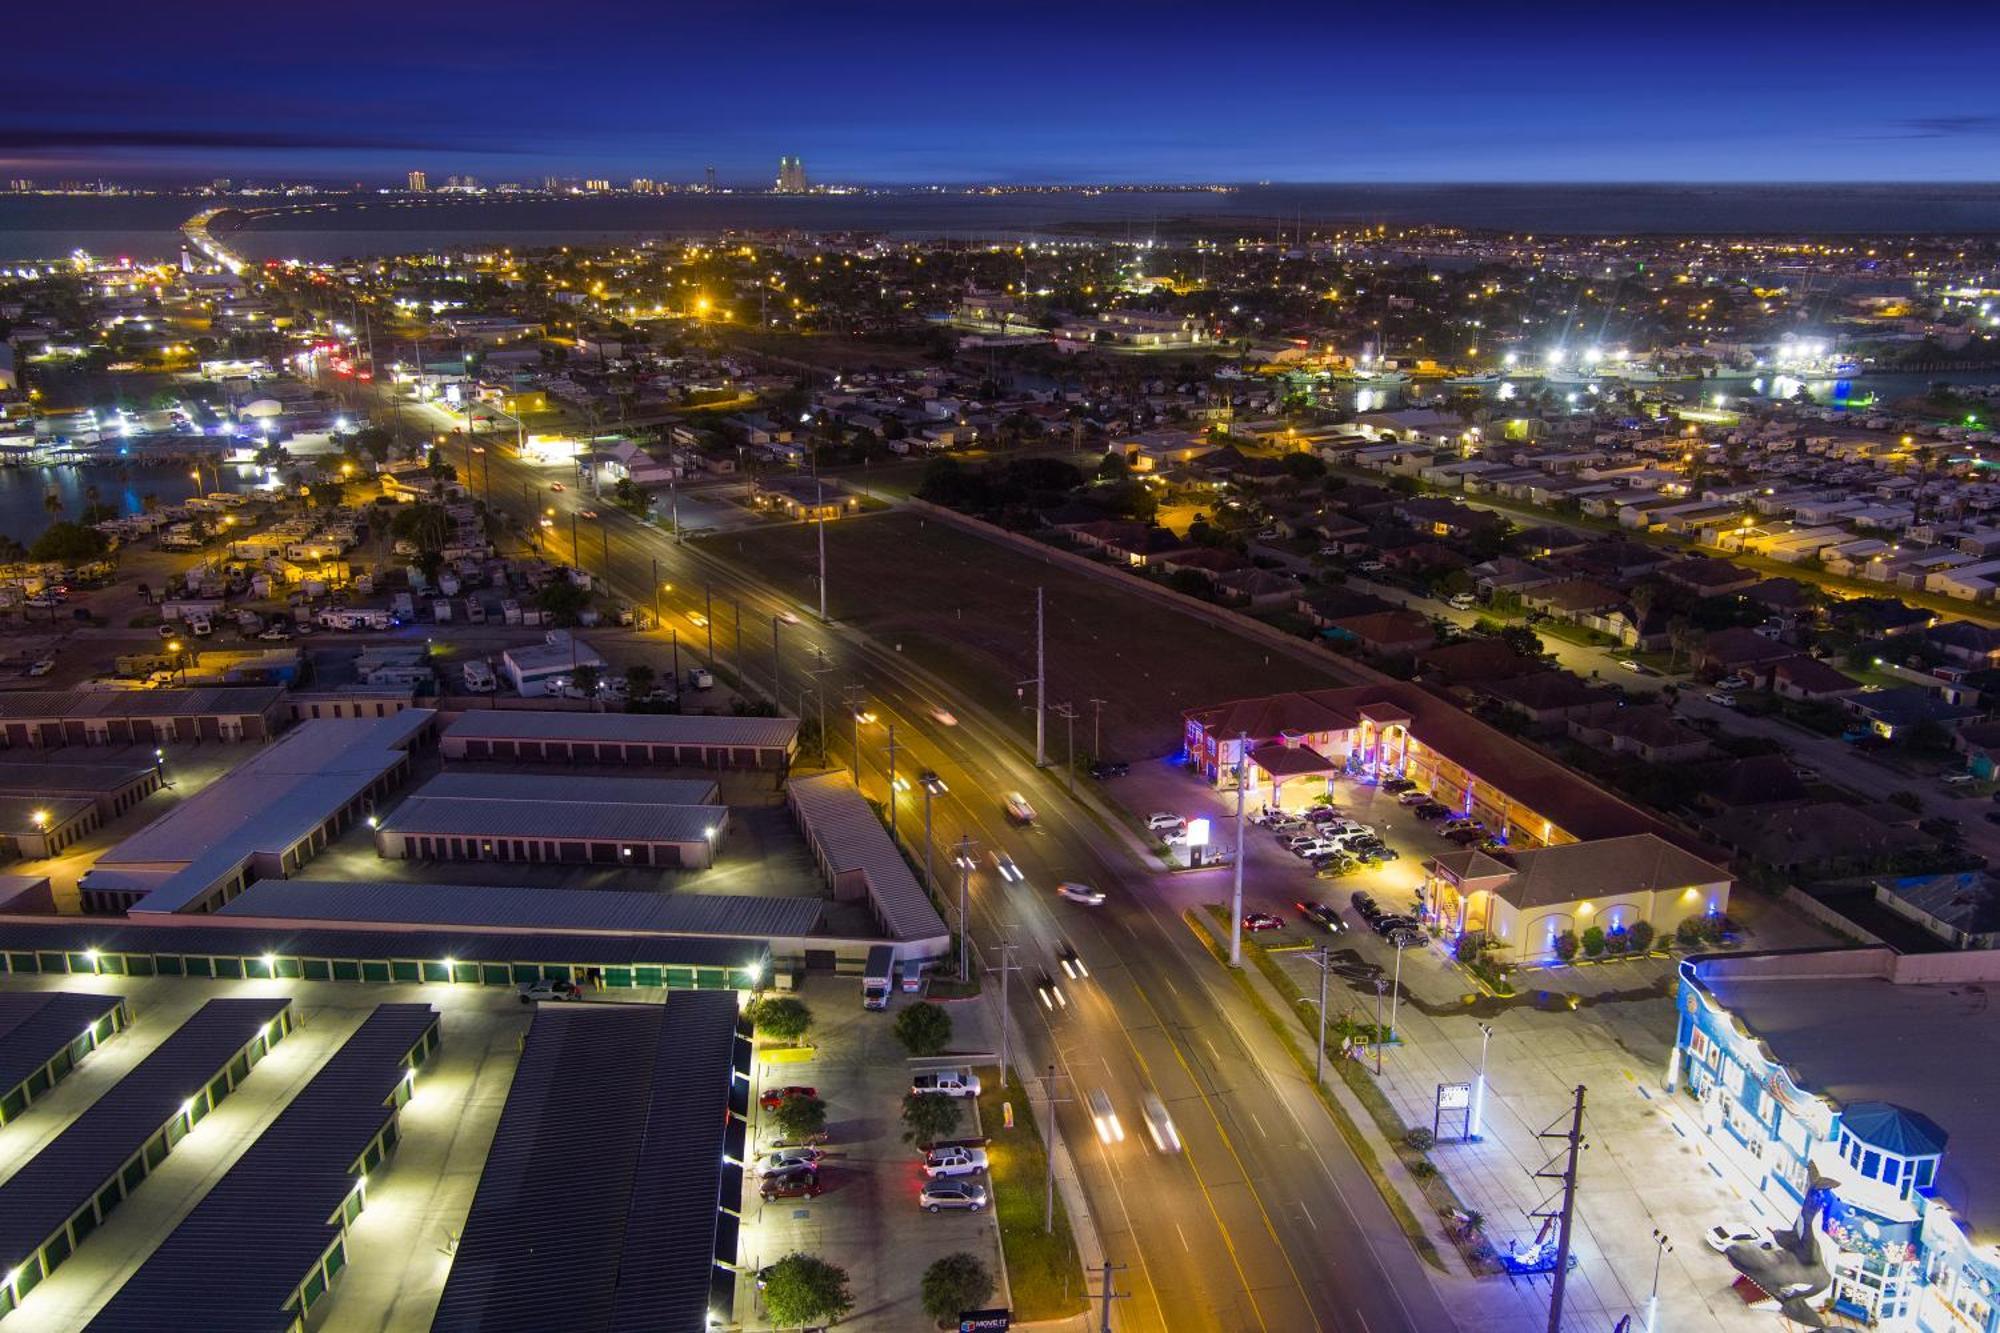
(1638, 1174)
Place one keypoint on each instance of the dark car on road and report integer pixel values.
(1320, 914)
(1106, 769)
(1396, 786)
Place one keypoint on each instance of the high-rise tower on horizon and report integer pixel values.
(791, 176)
(419, 183)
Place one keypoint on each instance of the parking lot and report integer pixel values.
(867, 1220)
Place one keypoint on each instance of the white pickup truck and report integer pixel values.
(954, 1162)
(948, 1082)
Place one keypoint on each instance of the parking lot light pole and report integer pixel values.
(1380, 987)
(1661, 1247)
(1236, 893)
(1396, 997)
(1479, 1086)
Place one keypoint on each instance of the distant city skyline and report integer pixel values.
(1036, 92)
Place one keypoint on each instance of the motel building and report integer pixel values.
(1293, 748)
(1790, 1064)
(1581, 857)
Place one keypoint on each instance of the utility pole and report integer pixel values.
(892, 782)
(1236, 894)
(1007, 965)
(1096, 729)
(1567, 1213)
(708, 615)
(1380, 987)
(736, 619)
(656, 592)
(777, 668)
(1479, 1088)
(1662, 1247)
(964, 920)
(933, 785)
(677, 662)
(819, 510)
(1041, 687)
(1068, 714)
(1396, 987)
(1321, 958)
(852, 695)
(1107, 1295)
(1055, 1135)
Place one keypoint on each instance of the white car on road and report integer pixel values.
(1018, 808)
(1081, 893)
(1004, 863)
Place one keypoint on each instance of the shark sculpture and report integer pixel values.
(1788, 1264)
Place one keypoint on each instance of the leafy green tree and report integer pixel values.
(929, 1116)
(587, 678)
(1522, 640)
(802, 1290)
(1593, 941)
(784, 1018)
(956, 1283)
(68, 543)
(800, 1117)
(640, 679)
(924, 1029)
(563, 600)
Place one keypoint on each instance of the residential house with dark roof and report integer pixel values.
(1257, 587)
(1323, 606)
(1547, 696)
(1739, 649)
(1963, 641)
(1709, 578)
(1899, 710)
(1387, 633)
(1762, 779)
(1647, 732)
(1805, 677)
(1473, 661)
(1507, 574)
(1821, 837)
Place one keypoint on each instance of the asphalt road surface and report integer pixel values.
(1265, 1220)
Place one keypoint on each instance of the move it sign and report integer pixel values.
(984, 1321)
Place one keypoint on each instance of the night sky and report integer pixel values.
(957, 91)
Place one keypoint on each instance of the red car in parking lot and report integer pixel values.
(774, 1097)
(1254, 921)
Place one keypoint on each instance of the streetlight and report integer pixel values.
(1396, 1000)
(933, 785)
(1661, 1248)
(1479, 1085)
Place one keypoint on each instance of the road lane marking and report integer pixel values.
(1259, 1124)
(1184, 1240)
(1309, 1217)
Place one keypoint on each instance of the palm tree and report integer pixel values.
(53, 503)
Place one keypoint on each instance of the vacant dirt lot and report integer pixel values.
(965, 608)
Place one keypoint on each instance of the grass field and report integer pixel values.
(1044, 1274)
(964, 608)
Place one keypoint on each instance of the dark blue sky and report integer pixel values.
(964, 90)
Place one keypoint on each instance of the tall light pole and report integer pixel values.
(853, 695)
(1661, 1248)
(1479, 1085)
(1396, 990)
(1380, 987)
(933, 785)
(892, 782)
(1068, 715)
(1236, 893)
(1007, 966)
(820, 509)
(964, 860)
(1041, 687)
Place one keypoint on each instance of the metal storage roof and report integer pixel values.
(34, 1025)
(597, 1209)
(59, 1179)
(226, 939)
(68, 779)
(739, 915)
(267, 803)
(256, 1235)
(590, 821)
(849, 838)
(218, 700)
(477, 785)
(769, 733)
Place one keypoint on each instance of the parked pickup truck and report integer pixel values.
(954, 1162)
(949, 1082)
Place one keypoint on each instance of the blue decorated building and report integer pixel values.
(1881, 1073)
